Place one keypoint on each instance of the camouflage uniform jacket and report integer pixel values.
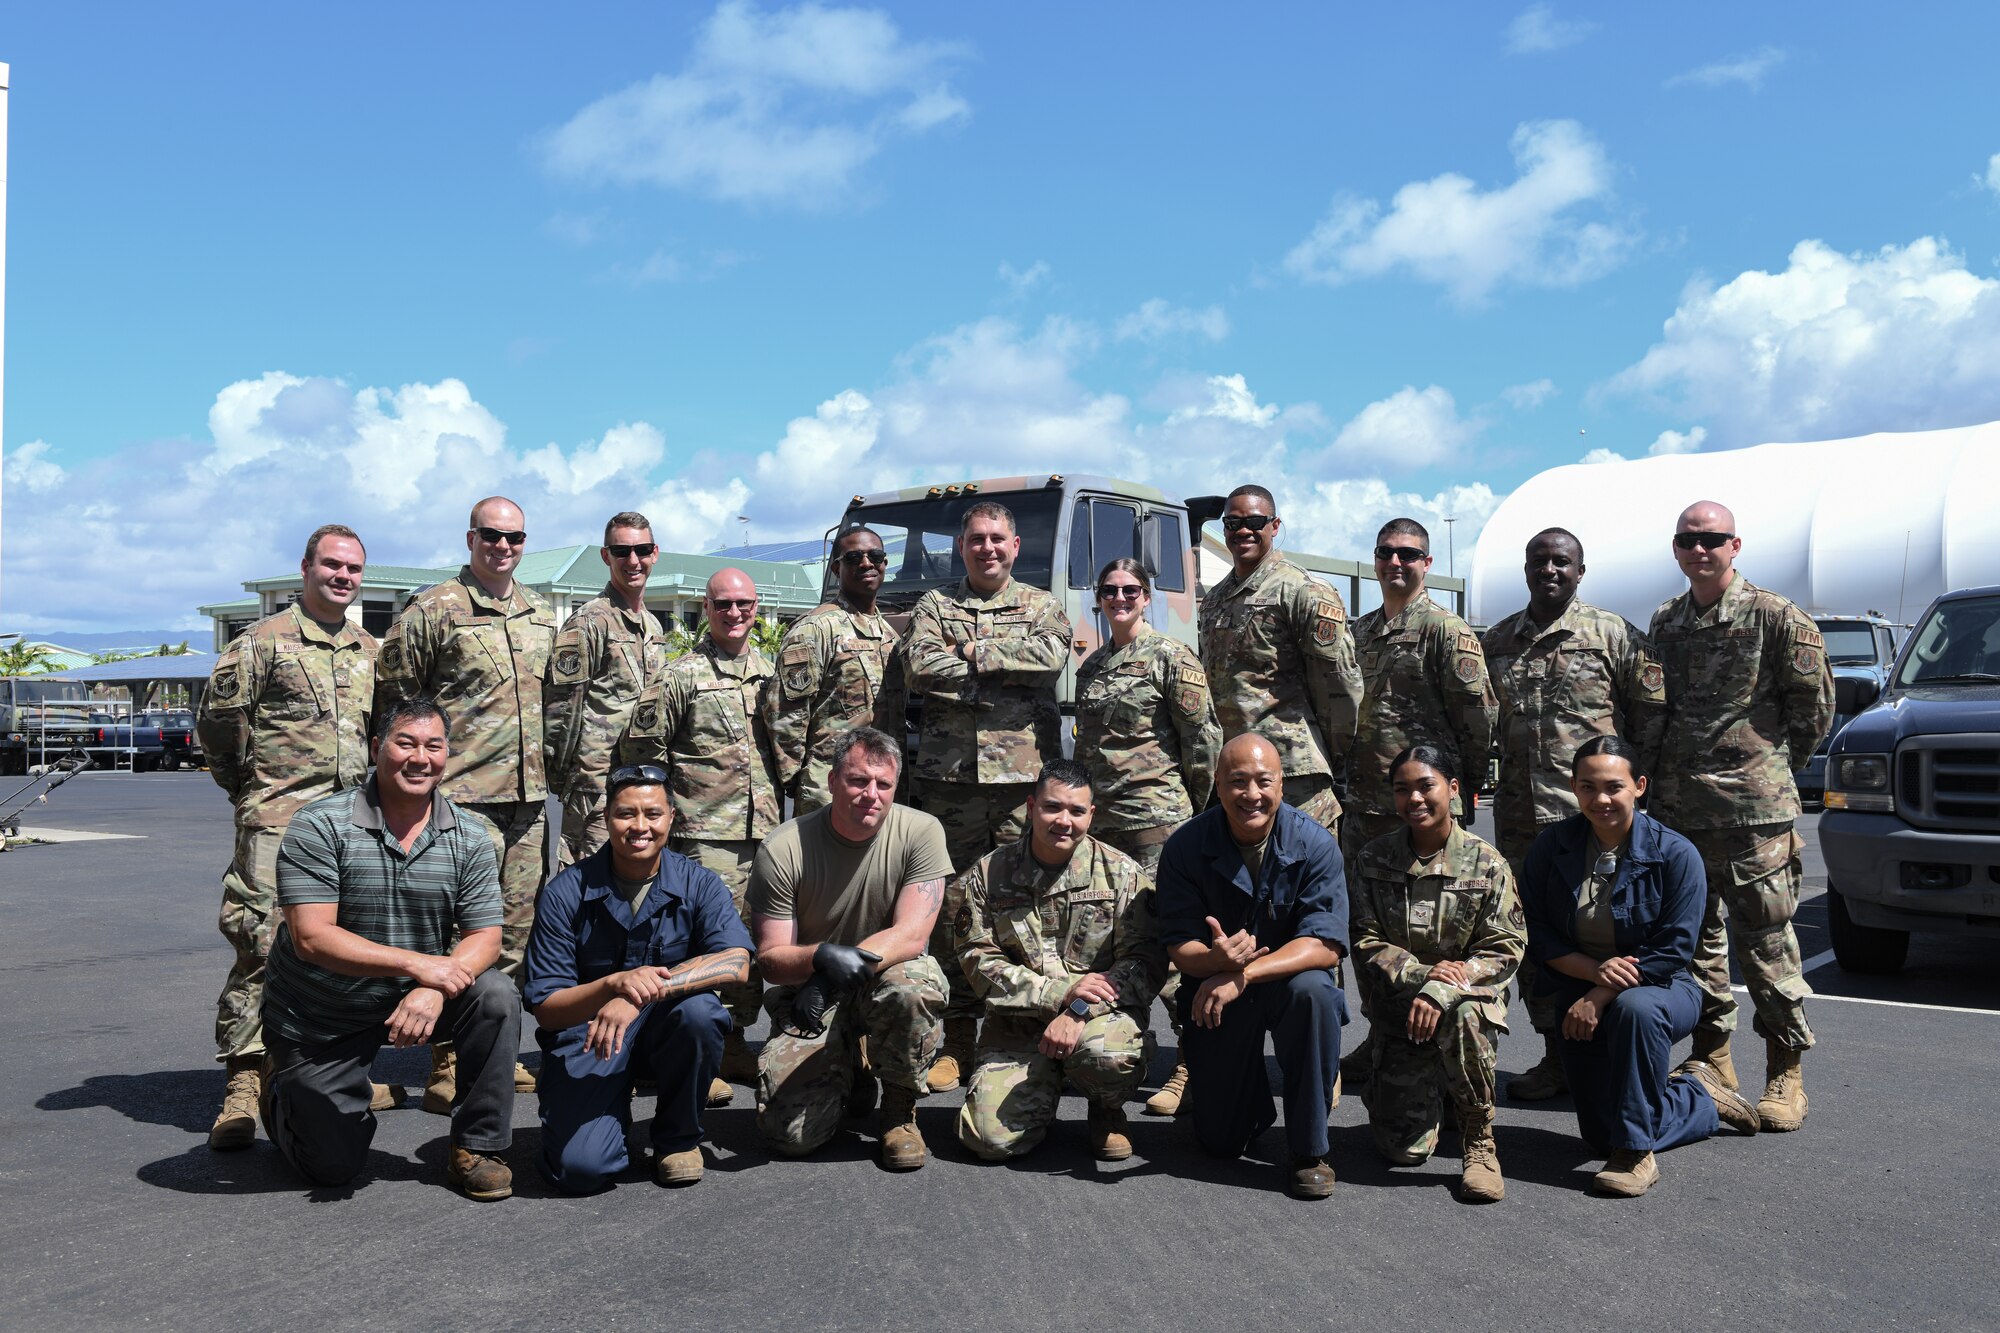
(1409, 916)
(1749, 697)
(838, 670)
(285, 718)
(1591, 673)
(482, 659)
(699, 719)
(1146, 729)
(1426, 684)
(1281, 662)
(1025, 935)
(601, 662)
(992, 719)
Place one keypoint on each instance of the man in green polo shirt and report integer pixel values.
(392, 914)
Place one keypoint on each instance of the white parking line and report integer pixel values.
(1892, 1004)
(1820, 959)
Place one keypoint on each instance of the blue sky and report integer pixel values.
(270, 267)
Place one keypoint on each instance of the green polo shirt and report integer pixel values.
(337, 851)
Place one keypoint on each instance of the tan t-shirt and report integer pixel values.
(843, 891)
(1596, 933)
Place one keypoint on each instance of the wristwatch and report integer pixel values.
(1079, 1009)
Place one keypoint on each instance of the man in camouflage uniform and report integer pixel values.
(838, 669)
(479, 645)
(1423, 683)
(702, 720)
(842, 903)
(1749, 697)
(607, 651)
(1279, 657)
(1058, 935)
(985, 655)
(284, 721)
(1440, 939)
(1564, 671)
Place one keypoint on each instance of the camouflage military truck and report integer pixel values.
(1070, 528)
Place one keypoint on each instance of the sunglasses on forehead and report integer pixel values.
(626, 550)
(651, 775)
(1707, 541)
(856, 559)
(1409, 555)
(494, 536)
(1254, 522)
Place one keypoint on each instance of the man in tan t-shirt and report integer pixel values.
(842, 902)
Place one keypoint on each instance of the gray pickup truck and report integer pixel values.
(1911, 832)
(1861, 650)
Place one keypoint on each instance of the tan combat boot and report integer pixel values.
(1479, 1179)
(1782, 1108)
(954, 1063)
(236, 1126)
(738, 1064)
(1628, 1174)
(1732, 1106)
(720, 1093)
(478, 1175)
(442, 1089)
(1172, 1093)
(524, 1078)
(1712, 1049)
(902, 1142)
(1546, 1079)
(679, 1168)
(1109, 1139)
(386, 1096)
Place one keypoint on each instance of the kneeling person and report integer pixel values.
(628, 948)
(1253, 907)
(375, 883)
(1058, 936)
(842, 903)
(1439, 927)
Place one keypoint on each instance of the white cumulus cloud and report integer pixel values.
(1747, 71)
(1157, 319)
(1411, 428)
(1603, 455)
(30, 468)
(1532, 231)
(777, 108)
(1991, 180)
(1904, 338)
(1678, 442)
(1021, 281)
(1536, 30)
(1527, 397)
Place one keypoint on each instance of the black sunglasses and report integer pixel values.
(1409, 555)
(856, 559)
(734, 603)
(1254, 522)
(1120, 592)
(1707, 541)
(651, 775)
(622, 550)
(494, 536)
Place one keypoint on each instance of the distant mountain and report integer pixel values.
(125, 640)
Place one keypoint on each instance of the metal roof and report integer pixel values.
(182, 667)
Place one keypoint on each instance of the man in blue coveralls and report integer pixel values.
(628, 948)
(1253, 907)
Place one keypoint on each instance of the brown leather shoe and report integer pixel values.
(1109, 1137)
(679, 1168)
(478, 1175)
(1311, 1178)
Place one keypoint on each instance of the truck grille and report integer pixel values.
(1950, 782)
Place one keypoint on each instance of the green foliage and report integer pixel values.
(765, 637)
(25, 659)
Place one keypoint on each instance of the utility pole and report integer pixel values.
(6, 80)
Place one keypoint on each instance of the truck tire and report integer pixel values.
(146, 763)
(1871, 950)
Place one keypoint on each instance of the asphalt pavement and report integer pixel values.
(1881, 1213)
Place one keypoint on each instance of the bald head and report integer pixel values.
(495, 538)
(1705, 547)
(1248, 749)
(1250, 784)
(731, 606)
(1706, 516)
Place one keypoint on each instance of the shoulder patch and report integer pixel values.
(646, 717)
(1652, 678)
(1328, 617)
(1805, 660)
(569, 664)
(1467, 667)
(389, 664)
(796, 677)
(227, 682)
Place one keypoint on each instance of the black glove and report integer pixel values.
(843, 966)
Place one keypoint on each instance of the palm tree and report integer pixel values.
(26, 659)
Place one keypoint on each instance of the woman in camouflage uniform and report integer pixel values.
(1146, 729)
(1438, 924)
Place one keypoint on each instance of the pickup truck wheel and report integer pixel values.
(1866, 949)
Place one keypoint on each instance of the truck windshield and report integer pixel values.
(921, 537)
(1848, 640)
(1959, 641)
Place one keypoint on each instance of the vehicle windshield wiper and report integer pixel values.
(1976, 677)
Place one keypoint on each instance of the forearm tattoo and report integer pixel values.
(730, 967)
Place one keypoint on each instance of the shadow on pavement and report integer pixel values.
(259, 1169)
(184, 1099)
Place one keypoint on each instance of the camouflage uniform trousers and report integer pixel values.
(803, 1082)
(1011, 1100)
(1544, 1014)
(521, 841)
(1755, 874)
(1411, 1083)
(248, 920)
(731, 862)
(583, 827)
(1312, 793)
(1144, 845)
(977, 817)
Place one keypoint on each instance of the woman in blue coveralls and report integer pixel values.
(628, 948)
(1614, 901)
